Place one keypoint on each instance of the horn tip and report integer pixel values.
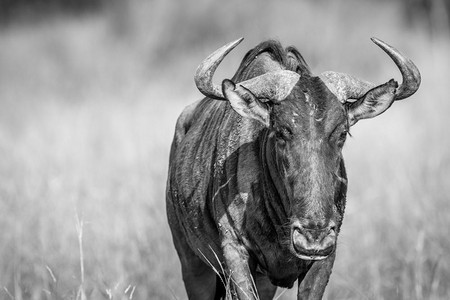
(236, 42)
(377, 41)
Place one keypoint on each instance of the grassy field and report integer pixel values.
(87, 112)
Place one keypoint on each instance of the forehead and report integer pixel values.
(311, 103)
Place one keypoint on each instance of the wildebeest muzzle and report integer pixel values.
(313, 242)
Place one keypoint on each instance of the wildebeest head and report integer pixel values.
(307, 119)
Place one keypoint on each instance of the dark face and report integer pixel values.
(305, 143)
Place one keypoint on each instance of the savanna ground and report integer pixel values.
(87, 112)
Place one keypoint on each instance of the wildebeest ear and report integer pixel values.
(245, 103)
(374, 102)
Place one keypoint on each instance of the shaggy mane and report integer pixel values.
(289, 59)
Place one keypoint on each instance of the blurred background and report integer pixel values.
(89, 95)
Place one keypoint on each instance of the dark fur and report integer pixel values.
(234, 187)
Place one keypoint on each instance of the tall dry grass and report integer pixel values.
(88, 108)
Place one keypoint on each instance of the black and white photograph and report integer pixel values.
(247, 150)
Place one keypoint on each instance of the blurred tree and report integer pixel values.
(435, 13)
(31, 10)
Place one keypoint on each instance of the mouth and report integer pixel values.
(311, 257)
(311, 254)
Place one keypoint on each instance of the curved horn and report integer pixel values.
(409, 71)
(345, 86)
(205, 71)
(274, 86)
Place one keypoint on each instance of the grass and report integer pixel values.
(88, 108)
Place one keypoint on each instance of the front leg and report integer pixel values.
(312, 286)
(238, 271)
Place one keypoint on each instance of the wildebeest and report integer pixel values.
(257, 185)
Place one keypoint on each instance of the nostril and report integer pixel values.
(297, 232)
(298, 239)
(332, 230)
(296, 227)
